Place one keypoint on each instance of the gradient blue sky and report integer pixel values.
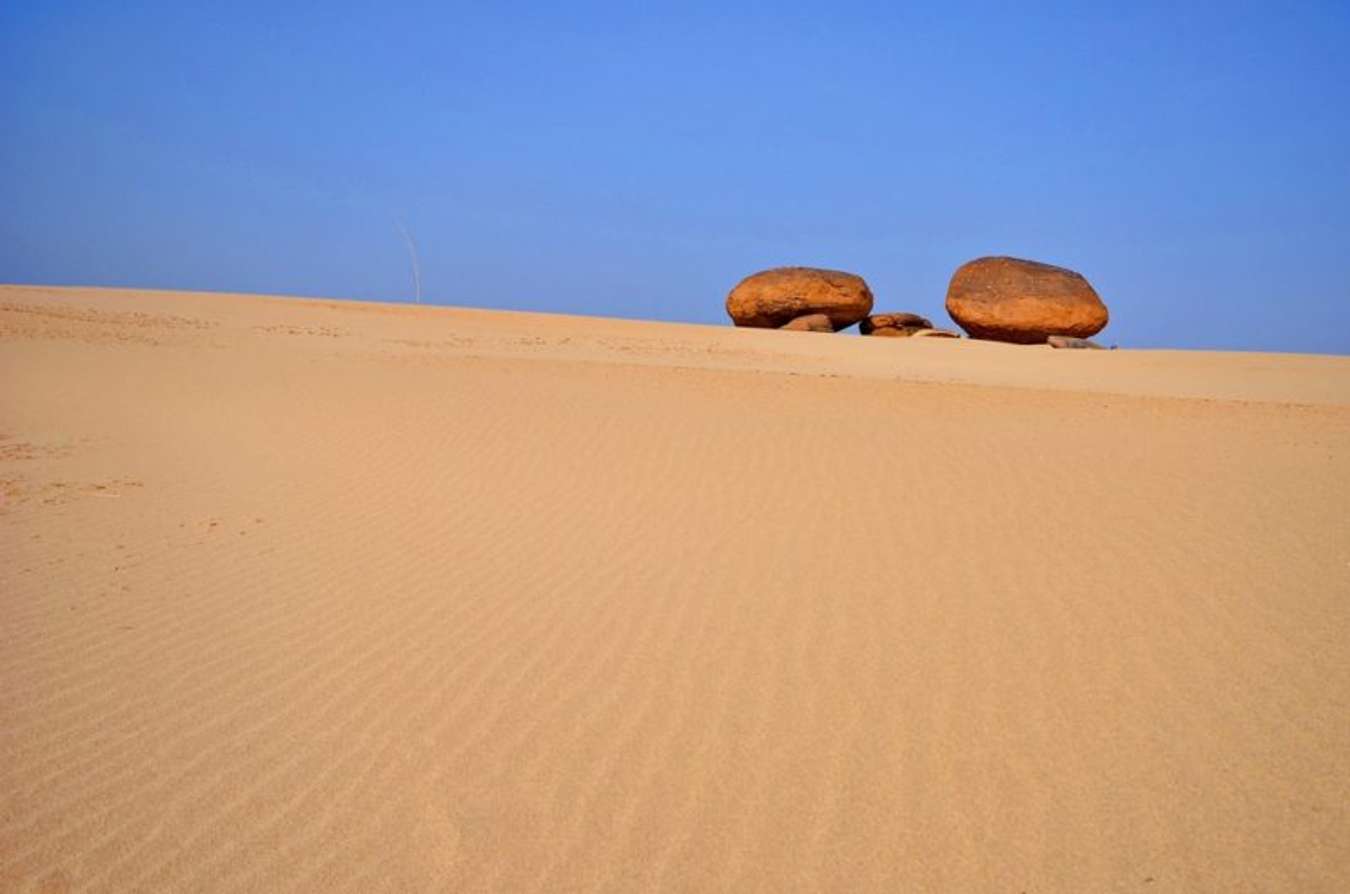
(1192, 160)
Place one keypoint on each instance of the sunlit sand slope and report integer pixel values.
(302, 596)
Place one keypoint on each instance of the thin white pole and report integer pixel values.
(412, 255)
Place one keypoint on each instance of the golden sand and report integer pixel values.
(324, 596)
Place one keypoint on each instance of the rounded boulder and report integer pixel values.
(772, 298)
(1025, 302)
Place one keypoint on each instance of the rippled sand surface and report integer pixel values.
(300, 595)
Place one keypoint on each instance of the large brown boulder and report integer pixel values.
(1008, 299)
(771, 298)
(893, 321)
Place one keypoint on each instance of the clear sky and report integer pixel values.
(1192, 160)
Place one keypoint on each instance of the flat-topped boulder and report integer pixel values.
(1010, 299)
(899, 320)
(809, 323)
(771, 299)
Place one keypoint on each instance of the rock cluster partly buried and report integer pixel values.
(877, 322)
(997, 298)
(902, 325)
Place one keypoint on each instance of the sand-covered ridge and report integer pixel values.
(300, 595)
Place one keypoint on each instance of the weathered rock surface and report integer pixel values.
(1068, 341)
(893, 321)
(809, 323)
(1009, 299)
(936, 333)
(772, 298)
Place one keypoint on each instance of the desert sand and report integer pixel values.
(303, 595)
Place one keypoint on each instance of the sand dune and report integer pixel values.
(300, 595)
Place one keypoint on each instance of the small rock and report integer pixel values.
(936, 333)
(1068, 341)
(894, 321)
(894, 331)
(809, 323)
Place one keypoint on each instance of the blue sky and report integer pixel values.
(1193, 161)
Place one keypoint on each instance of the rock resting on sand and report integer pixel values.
(911, 332)
(901, 320)
(1009, 299)
(809, 323)
(1068, 341)
(771, 299)
(902, 325)
(894, 331)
